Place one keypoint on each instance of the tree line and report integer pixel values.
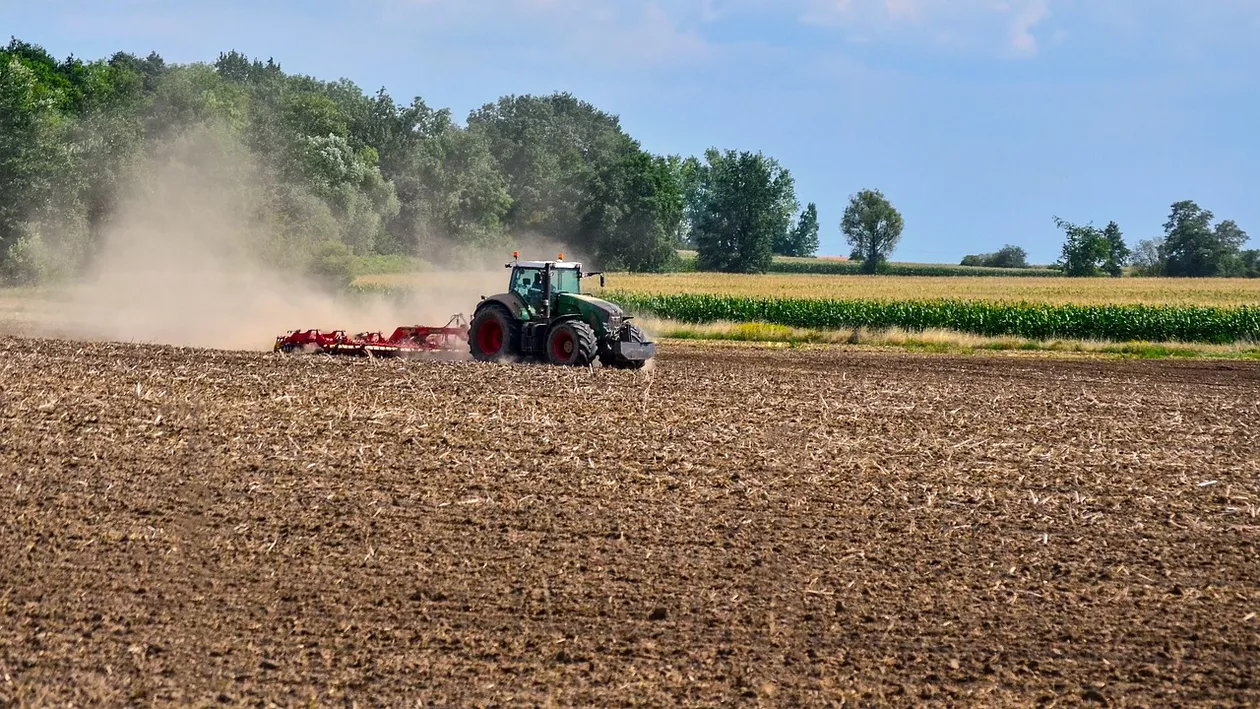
(336, 172)
(1192, 246)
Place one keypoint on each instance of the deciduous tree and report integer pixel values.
(1117, 252)
(1147, 258)
(872, 226)
(1192, 247)
(634, 211)
(748, 201)
(1085, 249)
(801, 240)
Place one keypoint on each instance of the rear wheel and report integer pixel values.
(629, 333)
(494, 335)
(571, 344)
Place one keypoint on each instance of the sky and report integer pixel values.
(981, 120)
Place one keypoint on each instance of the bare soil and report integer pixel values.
(739, 526)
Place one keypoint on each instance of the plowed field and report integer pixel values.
(736, 526)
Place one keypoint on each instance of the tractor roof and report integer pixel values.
(542, 264)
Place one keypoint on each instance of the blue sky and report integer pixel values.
(980, 119)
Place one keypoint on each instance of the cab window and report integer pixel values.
(527, 283)
(565, 280)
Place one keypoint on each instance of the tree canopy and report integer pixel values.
(745, 205)
(1090, 251)
(1193, 247)
(872, 226)
(1085, 249)
(1008, 256)
(802, 239)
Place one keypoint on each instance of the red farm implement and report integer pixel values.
(408, 340)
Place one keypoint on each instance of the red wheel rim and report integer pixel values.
(490, 337)
(562, 346)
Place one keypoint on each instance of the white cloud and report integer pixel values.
(1009, 26)
(1027, 17)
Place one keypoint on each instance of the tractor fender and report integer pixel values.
(565, 318)
(513, 302)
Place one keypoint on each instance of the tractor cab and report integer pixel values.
(537, 282)
(544, 315)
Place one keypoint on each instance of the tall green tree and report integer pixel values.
(1192, 247)
(689, 175)
(1085, 249)
(34, 159)
(548, 149)
(1250, 260)
(192, 95)
(151, 69)
(350, 182)
(802, 239)
(748, 202)
(24, 143)
(872, 226)
(1231, 237)
(1117, 252)
(635, 208)
(451, 192)
(574, 176)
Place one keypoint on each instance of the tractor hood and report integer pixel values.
(604, 317)
(585, 302)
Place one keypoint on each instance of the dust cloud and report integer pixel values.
(188, 260)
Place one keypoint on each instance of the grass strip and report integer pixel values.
(937, 341)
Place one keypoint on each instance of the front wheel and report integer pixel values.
(571, 344)
(494, 335)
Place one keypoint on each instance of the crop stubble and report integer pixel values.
(191, 526)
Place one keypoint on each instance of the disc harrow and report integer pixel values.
(406, 341)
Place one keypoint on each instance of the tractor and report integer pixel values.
(545, 316)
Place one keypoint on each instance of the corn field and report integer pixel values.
(1219, 292)
(1151, 323)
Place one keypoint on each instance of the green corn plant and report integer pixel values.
(1040, 321)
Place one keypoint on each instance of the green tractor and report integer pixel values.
(544, 316)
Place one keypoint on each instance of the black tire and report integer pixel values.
(629, 333)
(494, 335)
(571, 344)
